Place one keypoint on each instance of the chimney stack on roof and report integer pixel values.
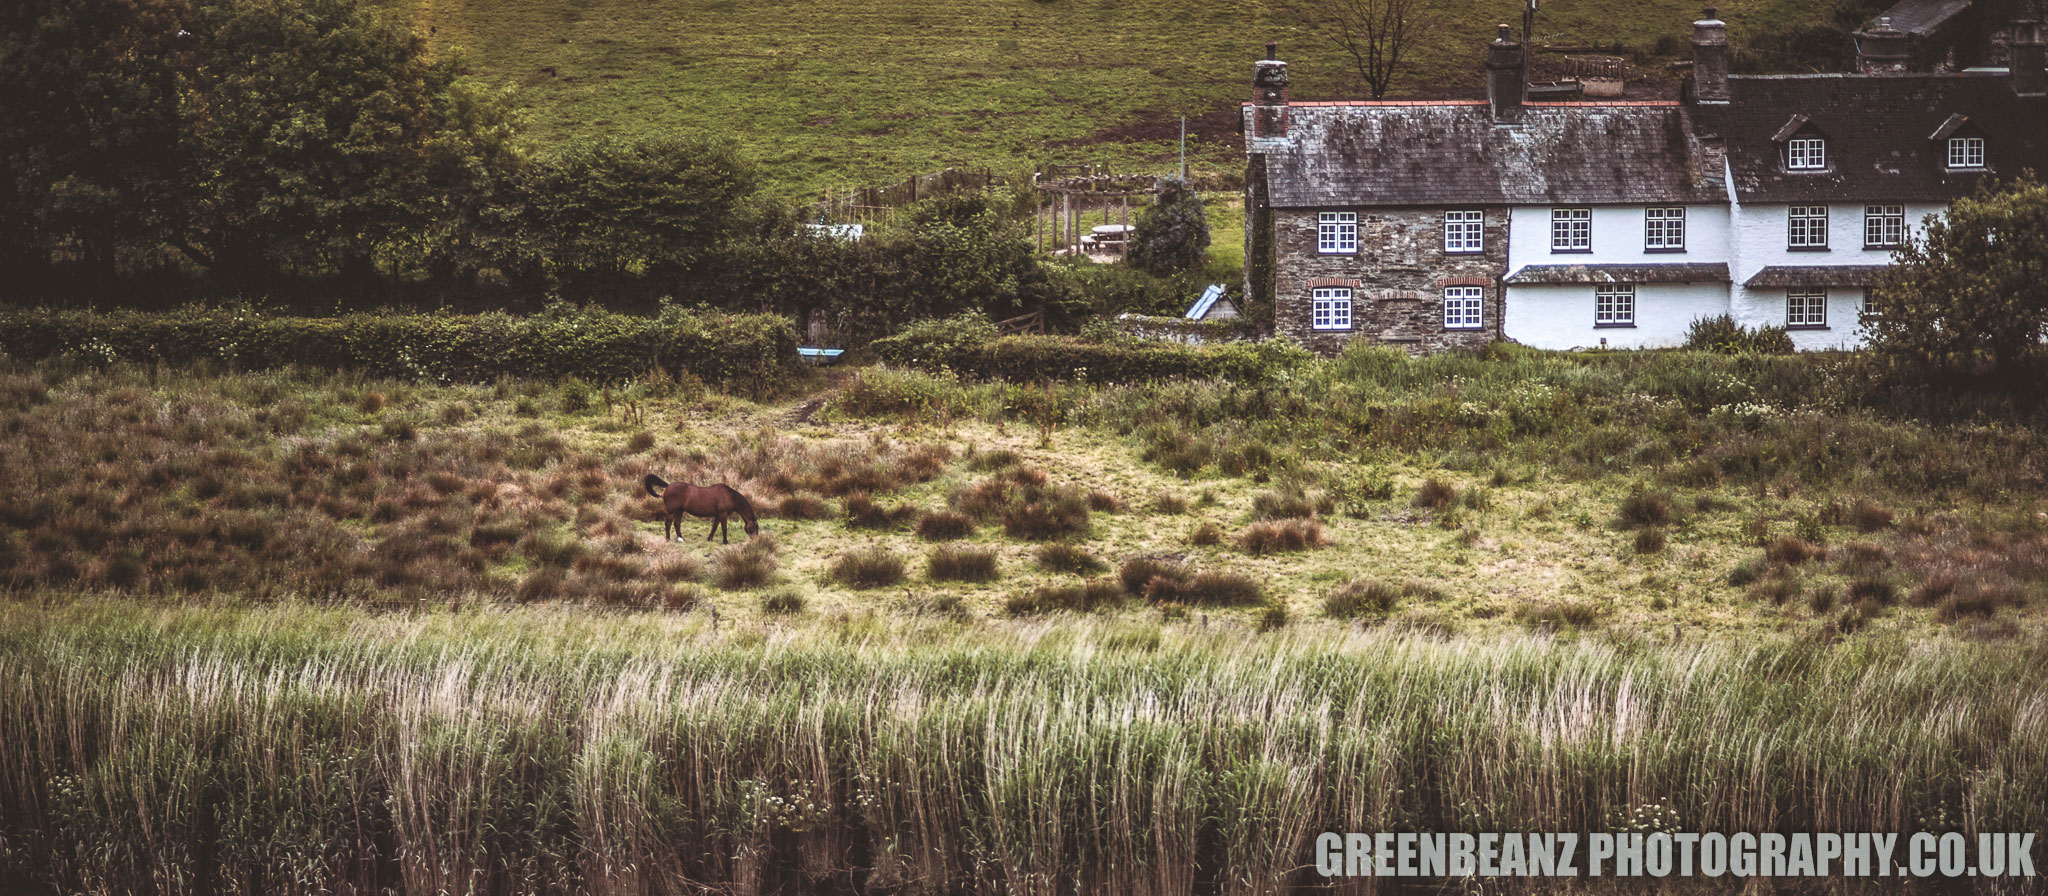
(1269, 95)
(1882, 49)
(1507, 77)
(2028, 76)
(1710, 58)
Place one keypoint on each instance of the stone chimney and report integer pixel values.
(1710, 58)
(1882, 49)
(1507, 78)
(2028, 77)
(1269, 95)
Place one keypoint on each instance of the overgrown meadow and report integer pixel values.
(298, 631)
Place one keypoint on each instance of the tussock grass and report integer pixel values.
(1070, 559)
(1281, 536)
(874, 567)
(944, 525)
(743, 566)
(1435, 494)
(1082, 598)
(1361, 597)
(1644, 509)
(1205, 588)
(953, 563)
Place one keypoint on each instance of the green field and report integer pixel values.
(294, 631)
(832, 94)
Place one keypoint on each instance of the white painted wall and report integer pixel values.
(1761, 241)
(1617, 237)
(1561, 316)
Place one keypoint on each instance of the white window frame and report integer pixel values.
(1571, 230)
(1965, 153)
(1664, 229)
(1614, 305)
(1337, 233)
(1884, 226)
(1806, 227)
(1806, 308)
(1463, 307)
(1464, 232)
(1868, 305)
(1806, 154)
(1330, 308)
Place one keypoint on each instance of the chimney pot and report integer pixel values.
(1272, 50)
(1507, 78)
(1711, 12)
(2029, 76)
(1504, 34)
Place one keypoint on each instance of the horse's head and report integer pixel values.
(753, 527)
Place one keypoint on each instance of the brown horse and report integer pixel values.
(712, 502)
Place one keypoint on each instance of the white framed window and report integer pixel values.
(1614, 305)
(1337, 233)
(1806, 154)
(1966, 152)
(1806, 308)
(1330, 308)
(1464, 231)
(1884, 226)
(1571, 230)
(1869, 303)
(1806, 227)
(1461, 307)
(1664, 229)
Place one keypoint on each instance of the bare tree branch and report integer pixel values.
(1376, 34)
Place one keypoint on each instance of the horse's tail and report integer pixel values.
(655, 485)
(746, 507)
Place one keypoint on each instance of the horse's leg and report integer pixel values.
(714, 529)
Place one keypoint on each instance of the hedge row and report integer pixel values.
(1024, 358)
(593, 345)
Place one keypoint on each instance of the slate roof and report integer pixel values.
(1922, 17)
(1451, 153)
(1716, 272)
(1781, 275)
(1878, 129)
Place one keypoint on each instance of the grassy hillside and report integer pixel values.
(839, 93)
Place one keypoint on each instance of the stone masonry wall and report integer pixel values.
(1397, 279)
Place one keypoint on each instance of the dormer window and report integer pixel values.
(1806, 154)
(1965, 152)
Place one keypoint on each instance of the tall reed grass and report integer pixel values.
(290, 749)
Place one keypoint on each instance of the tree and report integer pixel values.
(1971, 296)
(1376, 34)
(1172, 233)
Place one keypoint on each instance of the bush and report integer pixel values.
(1172, 233)
(1280, 505)
(1273, 618)
(1210, 588)
(782, 602)
(1642, 509)
(1792, 550)
(1207, 534)
(742, 566)
(1067, 558)
(1050, 515)
(1361, 597)
(1722, 334)
(1169, 503)
(1139, 571)
(1034, 358)
(1868, 516)
(873, 567)
(594, 346)
(944, 525)
(863, 513)
(961, 564)
(802, 506)
(1277, 536)
(1649, 541)
(1070, 598)
(1435, 494)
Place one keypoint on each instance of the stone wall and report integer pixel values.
(1397, 279)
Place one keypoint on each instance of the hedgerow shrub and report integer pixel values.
(594, 346)
(1028, 358)
(1722, 334)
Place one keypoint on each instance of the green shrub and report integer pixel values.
(593, 346)
(1035, 358)
(1722, 334)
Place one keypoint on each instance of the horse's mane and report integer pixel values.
(746, 507)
